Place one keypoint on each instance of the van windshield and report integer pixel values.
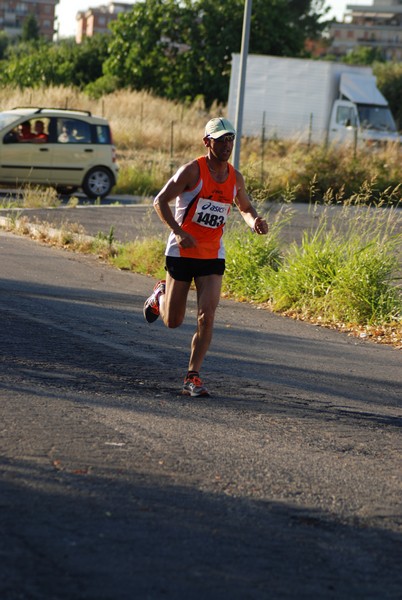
(376, 117)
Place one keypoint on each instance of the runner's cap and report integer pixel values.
(215, 128)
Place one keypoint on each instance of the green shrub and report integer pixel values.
(307, 273)
(251, 259)
(107, 84)
(363, 291)
(345, 272)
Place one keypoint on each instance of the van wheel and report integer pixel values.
(97, 183)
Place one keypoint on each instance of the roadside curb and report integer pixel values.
(40, 231)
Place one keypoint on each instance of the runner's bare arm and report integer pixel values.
(184, 179)
(247, 210)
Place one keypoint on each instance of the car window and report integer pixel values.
(103, 134)
(40, 129)
(73, 131)
(29, 131)
(11, 137)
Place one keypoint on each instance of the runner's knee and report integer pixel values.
(206, 318)
(173, 321)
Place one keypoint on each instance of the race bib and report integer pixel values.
(210, 213)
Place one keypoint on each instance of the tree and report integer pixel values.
(389, 81)
(4, 43)
(83, 62)
(34, 64)
(30, 29)
(146, 44)
(183, 49)
(177, 49)
(363, 55)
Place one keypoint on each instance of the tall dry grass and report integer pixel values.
(154, 136)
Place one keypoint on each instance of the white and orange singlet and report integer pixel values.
(203, 212)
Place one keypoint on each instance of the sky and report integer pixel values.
(67, 10)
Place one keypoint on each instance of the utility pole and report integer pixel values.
(242, 81)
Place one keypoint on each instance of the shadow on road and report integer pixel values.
(103, 526)
(90, 536)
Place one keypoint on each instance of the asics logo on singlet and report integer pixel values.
(213, 207)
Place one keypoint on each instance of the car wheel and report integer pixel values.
(98, 182)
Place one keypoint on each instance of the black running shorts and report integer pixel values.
(187, 269)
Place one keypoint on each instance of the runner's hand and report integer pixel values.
(260, 226)
(185, 240)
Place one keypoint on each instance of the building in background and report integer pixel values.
(14, 12)
(96, 20)
(376, 26)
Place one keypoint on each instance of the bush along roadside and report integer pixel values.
(345, 274)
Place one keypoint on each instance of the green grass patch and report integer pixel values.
(142, 256)
(142, 178)
(346, 271)
(252, 259)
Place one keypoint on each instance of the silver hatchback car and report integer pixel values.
(66, 149)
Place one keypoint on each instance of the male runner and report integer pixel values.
(204, 190)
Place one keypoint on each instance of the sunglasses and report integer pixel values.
(225, 138)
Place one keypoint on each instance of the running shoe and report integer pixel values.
(151, 305)
(193, 386)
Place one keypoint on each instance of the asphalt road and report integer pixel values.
(285, 484)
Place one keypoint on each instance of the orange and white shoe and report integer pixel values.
(151, 305)
(193, 386)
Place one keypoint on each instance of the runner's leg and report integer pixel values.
(172, 304)
(208, 295)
